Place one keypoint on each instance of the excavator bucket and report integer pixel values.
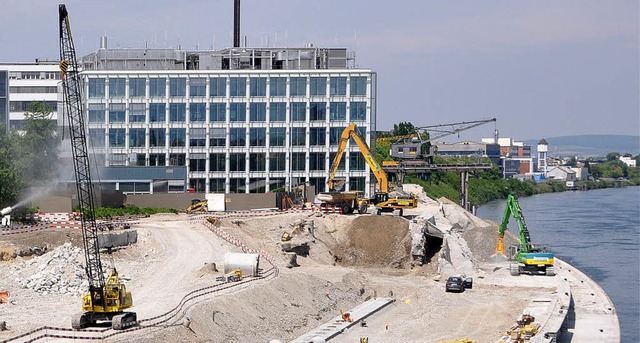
(499, 255)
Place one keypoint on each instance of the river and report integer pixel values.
(598, 232)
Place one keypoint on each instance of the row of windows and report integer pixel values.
(35, 75)
(237, 86)
(259, 185)
(238, 162)
(33, 89)
(177, 137)
(237, 112)
(23, 106)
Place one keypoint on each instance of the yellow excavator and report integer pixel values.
(383, 200)
(198, 205)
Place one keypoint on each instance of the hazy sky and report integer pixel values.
(543, 68)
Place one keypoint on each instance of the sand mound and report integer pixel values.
(376, 241)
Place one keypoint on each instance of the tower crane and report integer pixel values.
(107, 298)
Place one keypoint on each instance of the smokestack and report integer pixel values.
(103, 42)
(236, 23)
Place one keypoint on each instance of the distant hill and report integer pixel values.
(589, 145)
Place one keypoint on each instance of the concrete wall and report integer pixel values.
(53, 203)
(117, 239)
(233, 202)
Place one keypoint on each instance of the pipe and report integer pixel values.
(6, 211)
(236, 24)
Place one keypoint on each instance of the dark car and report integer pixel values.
(458, 283)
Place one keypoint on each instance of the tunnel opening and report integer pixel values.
(432, 246)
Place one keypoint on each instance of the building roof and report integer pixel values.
(543, 142)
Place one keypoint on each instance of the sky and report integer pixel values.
(543, 68)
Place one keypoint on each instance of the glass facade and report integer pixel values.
(222, 126)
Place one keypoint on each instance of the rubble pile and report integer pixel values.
(57, 272)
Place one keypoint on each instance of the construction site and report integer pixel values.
(324, 266)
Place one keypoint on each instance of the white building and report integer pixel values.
(629, 161)
(23, 83)
(240, 119)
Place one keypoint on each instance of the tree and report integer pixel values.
(573, 162)
(8, 174)
(403, 128)
(38, 147)
(612, 156)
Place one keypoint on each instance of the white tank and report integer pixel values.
(247, 263)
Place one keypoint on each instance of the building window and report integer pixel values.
(257, 162)
(117, 159)
(335, 133)
(117, 138)
(177, 86)
(218, 87)
(217, 162)
(116, 113)
(332, 158)
(258, 86)
(356, 161)
(357, 183)
(257, 185)
(277, 111)
(199, 185)
(338, 111)
(298, 111)
(317, 111)
(237, 162)
(278, 86)
(316, 161)
(177, 137)
(277, 161)
(96, 113)
(136, 138)
(298, 161)
(298, 86)
(218, 112)
(217, 185)
(237, 137)
(96, 137)
(237, 111)
(298, 136)
(156, 160)
(338, 86)
(157, 138)
(258, 136)
(157, 112)
(117, 88)
(358, 111)
(96, 88)
(277, 136)
(177, 112)
(197, 87)
(197, 162)
(137, 87)
(257, 111)
(317, 136)
(157, 87)
(197, 137)
(177, 160)
(197, 112)
(137, 113)
(318, 86)
(236, 185)
(217, 137)
(238, 86)
(358, 85)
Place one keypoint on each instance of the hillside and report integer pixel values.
(590, 145)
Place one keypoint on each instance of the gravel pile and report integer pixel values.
(57, 272)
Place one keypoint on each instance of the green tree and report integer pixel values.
(8, 174)
(573, 162)
(612, 156)
(38, 147)
(403, 128)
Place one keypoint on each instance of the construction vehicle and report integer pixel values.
(523, 330)
(232, 276)
(529, 258)
(107, 298)
(198, 205)
(383, 200)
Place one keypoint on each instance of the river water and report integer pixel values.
(598, 232)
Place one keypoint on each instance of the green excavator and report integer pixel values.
(529, 259)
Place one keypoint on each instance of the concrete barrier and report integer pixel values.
(117, 239)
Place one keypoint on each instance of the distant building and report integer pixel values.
(23, 83)
(562, 173)
(582, 173)
(629, 161)
(516, 158)
(543, 148)
(490, 150)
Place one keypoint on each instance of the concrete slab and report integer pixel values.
(337, 325)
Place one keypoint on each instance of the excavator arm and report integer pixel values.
(513, 209)
(351, 132)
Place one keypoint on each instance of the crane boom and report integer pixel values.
(72, 92)
(350, 132)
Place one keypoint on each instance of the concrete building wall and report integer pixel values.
(233, 202)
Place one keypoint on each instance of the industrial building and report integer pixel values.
(23, 83)
(241, 120)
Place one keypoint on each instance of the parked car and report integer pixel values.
(458, 283)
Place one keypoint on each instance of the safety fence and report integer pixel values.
(163, 320)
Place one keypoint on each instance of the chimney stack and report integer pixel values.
(236, 23)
